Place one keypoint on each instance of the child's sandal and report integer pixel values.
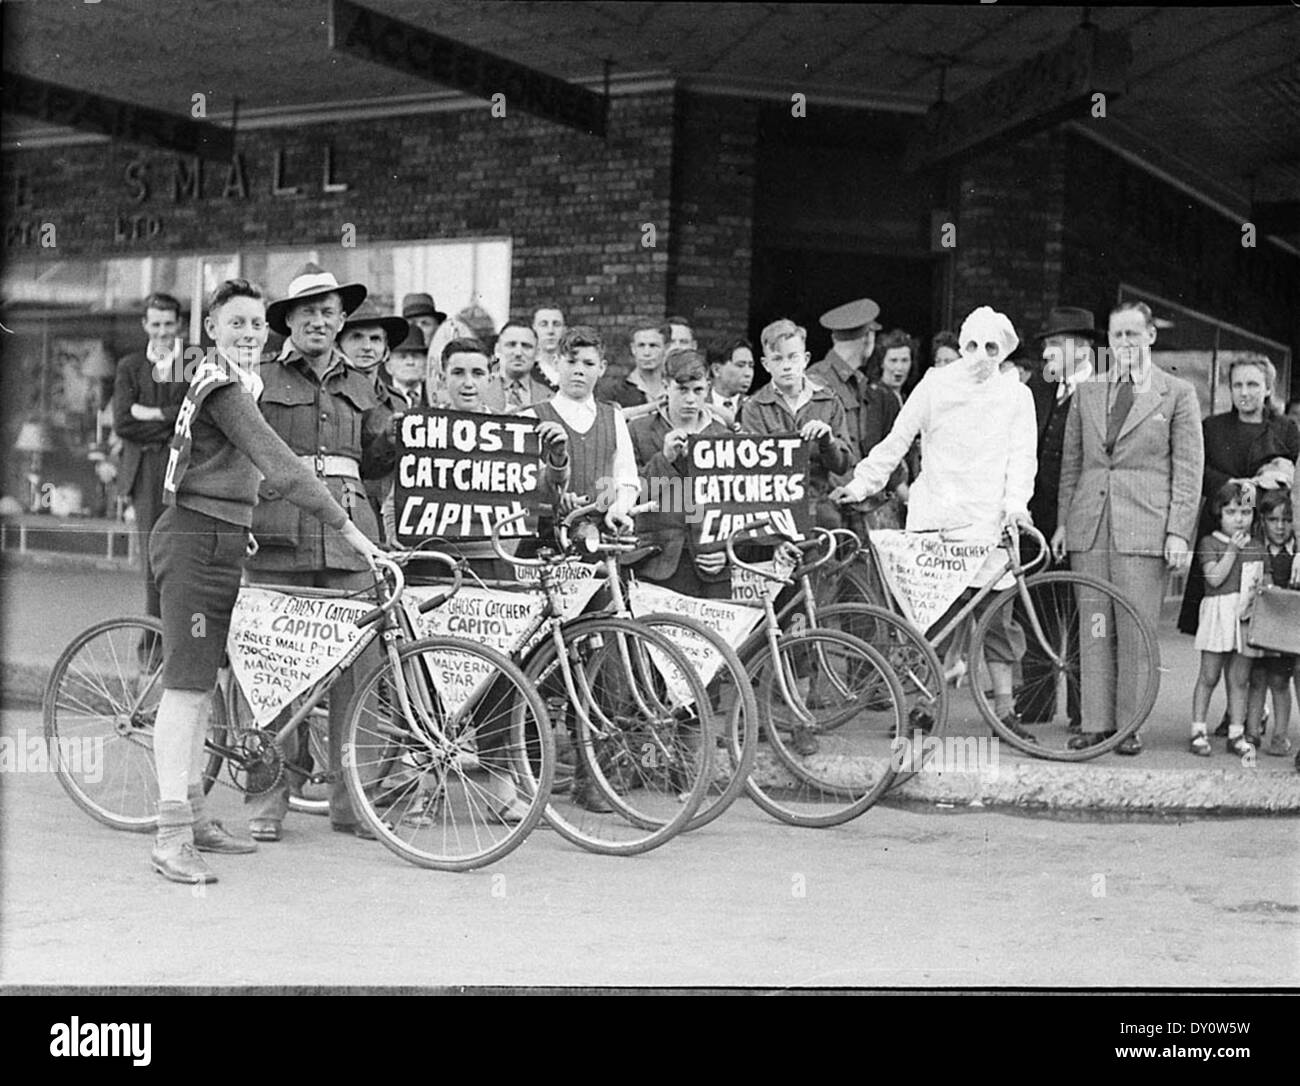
(1201, 745)
(1240, 746)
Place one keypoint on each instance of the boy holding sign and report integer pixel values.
(794, 402)
(601, 463)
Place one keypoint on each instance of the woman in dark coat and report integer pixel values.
(1239, 444)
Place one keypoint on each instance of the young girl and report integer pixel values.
(1230, 558)
(1281, 568)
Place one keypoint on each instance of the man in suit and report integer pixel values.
(731, 373)
(147, 396)
(1130, 484)
(1067, 347)
(516, 384)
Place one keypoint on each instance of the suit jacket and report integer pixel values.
(135, 383)
(1052, 414)
(1152, 479)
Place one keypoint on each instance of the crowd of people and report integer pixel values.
(1083, 437)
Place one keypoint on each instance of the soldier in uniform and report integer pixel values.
(329, 415)
(869, 412)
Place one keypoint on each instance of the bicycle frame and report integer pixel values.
(1013, 566)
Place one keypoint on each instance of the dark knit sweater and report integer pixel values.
(233, 447)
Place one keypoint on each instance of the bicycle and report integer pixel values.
(713, 657)
(820, 685)
(638, 713)
(1064, 612)
(95, 690)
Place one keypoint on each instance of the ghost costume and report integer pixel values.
(978, 436)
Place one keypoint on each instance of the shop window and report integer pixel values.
(1199, 348)
(73, 319)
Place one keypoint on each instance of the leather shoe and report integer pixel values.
(803, 742)
(1084, 740)
(1011, 721)
(587, 796)
(357, 829)
(212, 836)
(1130, 745)
(264, 829)
(183, 865)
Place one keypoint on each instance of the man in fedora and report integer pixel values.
(869, 412)
(367, 340)
(328, 413)
(420, 311)
(1067, 344)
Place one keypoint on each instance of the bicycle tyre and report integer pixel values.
(99, 708)
(1145, 659)
(664, 808)
(825, 788)
(738, 737)
(912, 657)
(438, 814)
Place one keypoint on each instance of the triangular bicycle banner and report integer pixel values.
(495, 617)
(732, 621)
(280, 644)
(927, 572)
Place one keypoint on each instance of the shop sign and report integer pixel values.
(1034, 95)
(411, 49)
(89, 112)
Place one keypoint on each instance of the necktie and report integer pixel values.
(515, 394)
(1118, 412)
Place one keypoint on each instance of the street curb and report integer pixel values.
(1075, 787)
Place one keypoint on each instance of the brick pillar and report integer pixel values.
(710, 245)
(1011, 208)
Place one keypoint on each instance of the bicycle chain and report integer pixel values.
(268, 741)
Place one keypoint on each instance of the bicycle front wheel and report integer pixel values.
(912, 658)
(99, 710)
(447, 756)
(641, 721)
(831, 710)
(1091, 666)
(735, 710)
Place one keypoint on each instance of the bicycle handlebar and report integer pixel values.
(746, 531)
(393, 568)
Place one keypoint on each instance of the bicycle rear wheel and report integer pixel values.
(912, 658)
(448, 757)
(830, 708)
(642, 750)
(1073, 624)
(735, 710)
(99, 709)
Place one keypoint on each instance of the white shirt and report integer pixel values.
(978, 450)
(581, 417)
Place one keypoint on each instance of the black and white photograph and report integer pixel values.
(602, 497)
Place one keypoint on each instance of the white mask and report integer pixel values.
(987, 337)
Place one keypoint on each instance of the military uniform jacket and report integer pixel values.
(337, 416)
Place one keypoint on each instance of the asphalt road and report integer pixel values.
(931, 898)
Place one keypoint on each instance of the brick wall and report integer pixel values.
(711, 241)
(573, 204)
(1009, 231)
